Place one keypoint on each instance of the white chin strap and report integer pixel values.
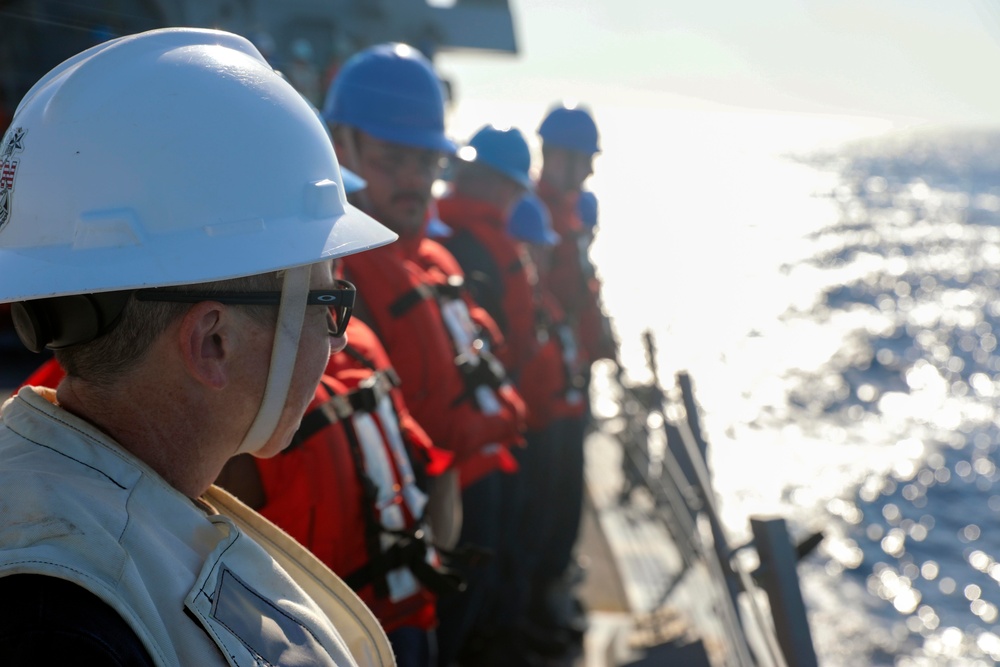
(291, 314)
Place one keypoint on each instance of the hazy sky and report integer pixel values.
(905, 60)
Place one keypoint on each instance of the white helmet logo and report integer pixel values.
(13, 143)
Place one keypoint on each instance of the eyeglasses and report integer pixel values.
(339, 302)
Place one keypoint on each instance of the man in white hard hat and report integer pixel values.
(168, 209)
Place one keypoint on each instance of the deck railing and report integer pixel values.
(677, 476)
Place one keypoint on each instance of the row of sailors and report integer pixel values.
(439, 467)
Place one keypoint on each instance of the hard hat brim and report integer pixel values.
(521, 178)
(414, 138)
(35, 273)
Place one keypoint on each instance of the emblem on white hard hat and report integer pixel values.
(13, 143)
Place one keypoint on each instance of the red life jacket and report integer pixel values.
(570, 278)
(485, 376)
(346, 490)
(553, 381)
(495, 270)
(49, 374)
(363, 355)
(398, 300)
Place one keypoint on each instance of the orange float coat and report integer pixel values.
(355, 365)
(552, 382)
(49, 374)
(398, 300)
(495, 268)
(570, 279)
(339, 488)
(466, 323)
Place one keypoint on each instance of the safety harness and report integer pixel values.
(409, 548)
(477, 365)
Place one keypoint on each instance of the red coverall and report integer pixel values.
(315, 494)
(399, 303)
(482, 246)
(577, 292)
(440, 266)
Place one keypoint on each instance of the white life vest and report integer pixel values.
(79, 507)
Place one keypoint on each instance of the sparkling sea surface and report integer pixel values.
(837, 307)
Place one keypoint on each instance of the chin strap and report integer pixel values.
(291, 314)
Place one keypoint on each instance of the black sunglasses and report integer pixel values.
(340, 301)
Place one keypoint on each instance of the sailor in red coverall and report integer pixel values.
(553, 385)
(386, 112)
(490, 177)
(569, 142)
(347, 489)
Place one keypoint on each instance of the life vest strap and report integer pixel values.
(452, 289)
(489, 372)
(516, 266)
(363, 398)
(409, 551)
(410, 299)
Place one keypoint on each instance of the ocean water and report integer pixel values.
(834, 295)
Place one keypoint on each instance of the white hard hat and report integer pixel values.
(170, 157)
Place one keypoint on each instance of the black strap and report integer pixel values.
(337, 408)
(369, 500)
(363, 398)
(452, 289)
(489, 372)
(516, 266)
(484, 277)
(388, 371)
(410, 300)
(409, 551)
(370, 391)
(359, 356)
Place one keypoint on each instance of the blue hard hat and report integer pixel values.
(506, 151)
(572, 128)
(437, 229)
(530, 222)
(391, 92)
(352, 182)
(586, 208)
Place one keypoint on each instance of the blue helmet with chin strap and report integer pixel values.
(530, 222)
(572, 128)
(504, 151)
(391, 92)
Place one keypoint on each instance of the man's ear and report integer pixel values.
(205, 344)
